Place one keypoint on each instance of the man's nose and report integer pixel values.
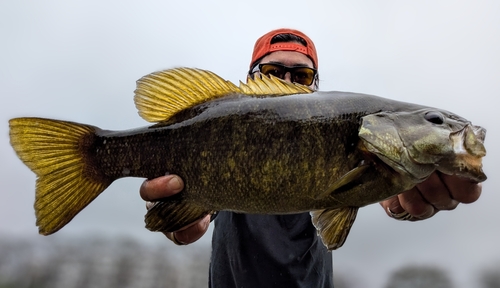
(288, 77)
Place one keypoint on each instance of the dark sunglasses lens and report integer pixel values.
(303, 75)
(271, 69)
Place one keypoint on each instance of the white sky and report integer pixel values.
(79, 60)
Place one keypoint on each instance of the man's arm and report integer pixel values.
(165, 186)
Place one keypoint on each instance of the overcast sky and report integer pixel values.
(79, 60)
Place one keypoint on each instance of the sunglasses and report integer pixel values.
(301, 75)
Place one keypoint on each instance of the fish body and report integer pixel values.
(267, 147)
(280, 152)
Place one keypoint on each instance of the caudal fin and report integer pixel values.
(58, 153)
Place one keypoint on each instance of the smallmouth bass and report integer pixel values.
(267, 147)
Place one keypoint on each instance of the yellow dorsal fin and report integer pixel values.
(160, 95)
(272, 86)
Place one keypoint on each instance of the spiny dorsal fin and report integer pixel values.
(272, 86)
(160, 95)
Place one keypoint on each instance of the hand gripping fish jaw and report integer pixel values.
(415, 144)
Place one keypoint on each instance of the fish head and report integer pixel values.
(420, 141)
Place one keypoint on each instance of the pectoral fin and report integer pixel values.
(347, 178)
(333, 225)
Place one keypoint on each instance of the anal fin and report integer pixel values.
(333, 225)
(173, 214)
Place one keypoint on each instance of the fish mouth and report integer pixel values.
(479, 132)
(468, 148)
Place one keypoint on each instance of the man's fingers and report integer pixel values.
(436, 192)
(191, 233)
(413, 203)
(461, 189)
(161, 187)
(165, 186)
(392, 206)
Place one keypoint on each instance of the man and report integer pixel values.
(284, 250)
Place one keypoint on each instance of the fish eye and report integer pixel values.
(434, 117)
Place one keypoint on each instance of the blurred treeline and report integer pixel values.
(98, 262)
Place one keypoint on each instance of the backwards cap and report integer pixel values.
(263, 45)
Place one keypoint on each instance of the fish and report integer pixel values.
(265, 147)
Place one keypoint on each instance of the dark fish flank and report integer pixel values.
(279, 152)
(237, 150)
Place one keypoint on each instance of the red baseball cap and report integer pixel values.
(263, 45)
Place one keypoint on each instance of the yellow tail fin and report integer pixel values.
(57, 152)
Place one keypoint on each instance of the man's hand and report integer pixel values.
(438, 192)
(165, 186)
